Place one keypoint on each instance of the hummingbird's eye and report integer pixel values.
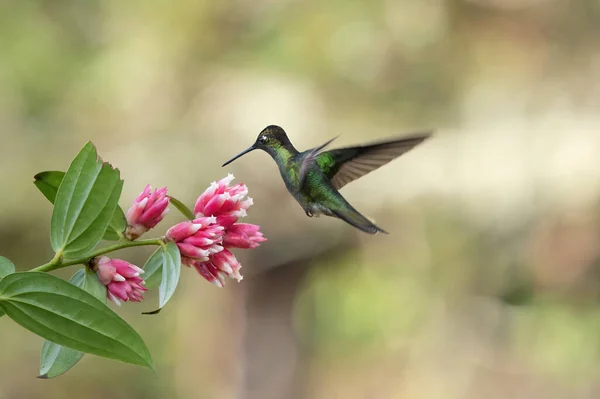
(262, 139)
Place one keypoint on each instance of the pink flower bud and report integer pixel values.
(121, 278)
(227, 263)
(225, 202)
(219, 266)
(197, 239)
(243, 235)
(210, 273)
(147, 211)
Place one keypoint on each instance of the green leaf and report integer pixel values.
(78, 279)
(170, 266)
(153, 269)
(56, 359)
(170, 274)
(92, 285)
(6, 267)
(87, 280)
(185, 211)
(85, 203)
(117, 226)
(67, 315)
(48, 183)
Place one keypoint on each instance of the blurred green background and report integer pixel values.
(488, 285)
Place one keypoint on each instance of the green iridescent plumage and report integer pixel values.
(326, 163)
(314, 176)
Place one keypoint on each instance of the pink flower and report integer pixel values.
(122, 279)
(209, 272)
(219, 266)
(146, 211)
(226, 203)
(204, 241)
(243, 235)
(227, 263)
(198, 238)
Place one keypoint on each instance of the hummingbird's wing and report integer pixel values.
(344, 165)
(308, 158)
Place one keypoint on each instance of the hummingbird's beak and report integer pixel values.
(251, 148)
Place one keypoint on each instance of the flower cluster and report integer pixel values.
(205, 242)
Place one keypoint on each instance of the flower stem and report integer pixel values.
(58, 263)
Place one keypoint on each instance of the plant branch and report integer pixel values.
(58, 262)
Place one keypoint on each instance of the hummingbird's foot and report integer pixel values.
(309, 214)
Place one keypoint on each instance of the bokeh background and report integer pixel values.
(488, 285)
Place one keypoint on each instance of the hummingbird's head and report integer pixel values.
(270, 140)
(272, 136)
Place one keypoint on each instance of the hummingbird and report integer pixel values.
(314, 177)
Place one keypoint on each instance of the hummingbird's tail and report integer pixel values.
(353, 217)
